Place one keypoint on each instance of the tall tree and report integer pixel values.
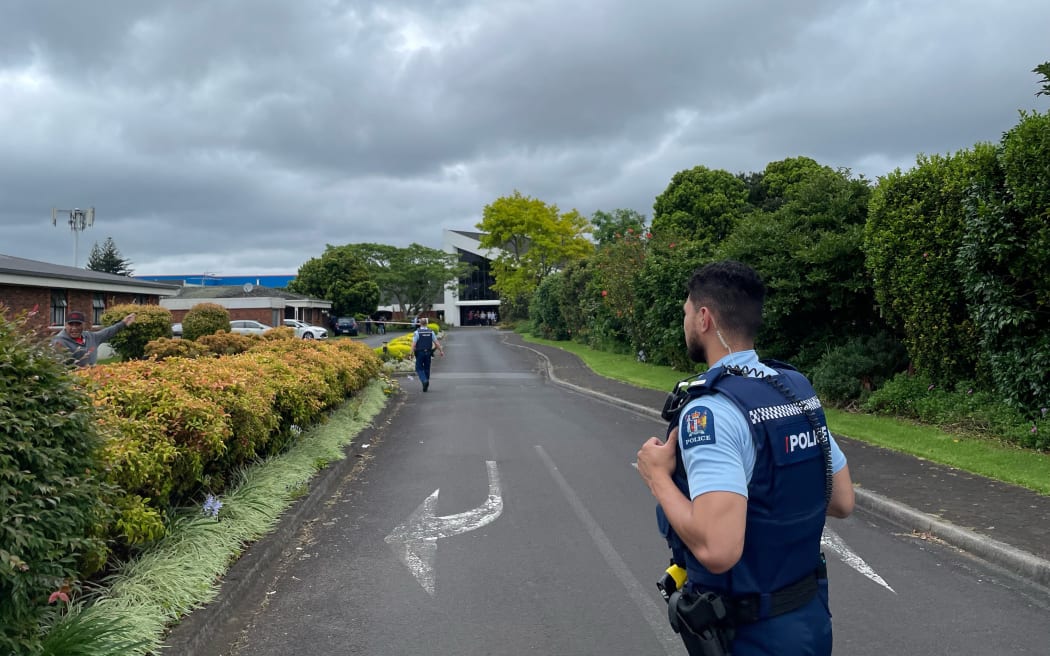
(1044, 70)
(534, 239)
(1003, 260)
(339, 276)
(701, 205)
(607, 225)
(412, 277)
(107, 259)
(807, 248)
(911, 245)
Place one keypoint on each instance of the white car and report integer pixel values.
(248, 327)
(305, 330)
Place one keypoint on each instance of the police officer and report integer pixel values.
(424, 342)
(743, 483)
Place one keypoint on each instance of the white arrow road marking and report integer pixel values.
(832, 540)
(415, 541)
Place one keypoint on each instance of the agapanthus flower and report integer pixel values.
(212, 505)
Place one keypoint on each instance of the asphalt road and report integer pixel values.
(501, 514)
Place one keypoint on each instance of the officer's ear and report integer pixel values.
(707, 320)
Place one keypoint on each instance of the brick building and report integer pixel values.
(263, 304)
(54, 290)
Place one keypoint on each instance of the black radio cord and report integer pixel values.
(821, 433)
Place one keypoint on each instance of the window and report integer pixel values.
(58, 307)
(477, 285)
(98, 306)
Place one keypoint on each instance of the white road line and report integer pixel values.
(832, 540)
(654, 614)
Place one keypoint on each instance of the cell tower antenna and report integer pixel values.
(79, 221)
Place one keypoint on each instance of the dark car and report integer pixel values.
(346, 326)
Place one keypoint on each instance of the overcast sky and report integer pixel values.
(241, 136)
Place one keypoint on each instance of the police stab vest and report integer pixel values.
(424, 339)
(787, 494)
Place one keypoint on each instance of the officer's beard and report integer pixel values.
(695, 349)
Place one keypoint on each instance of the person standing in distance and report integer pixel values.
(424, 342)
(83, 345)
(744, 481)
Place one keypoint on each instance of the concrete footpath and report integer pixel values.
(1006, 525)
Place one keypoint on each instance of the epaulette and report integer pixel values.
(688, 389)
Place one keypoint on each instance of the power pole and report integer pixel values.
(79, 221)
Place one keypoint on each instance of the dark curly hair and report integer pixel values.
(734, 292)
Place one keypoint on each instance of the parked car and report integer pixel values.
(248, 327)
(346, 326)
(305, 330)
(176, 330)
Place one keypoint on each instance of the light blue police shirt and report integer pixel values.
(727, 464)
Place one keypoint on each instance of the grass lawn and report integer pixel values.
(1003, 462)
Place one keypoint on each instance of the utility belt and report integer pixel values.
(707, 621)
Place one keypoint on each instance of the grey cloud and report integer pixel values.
(241, 136)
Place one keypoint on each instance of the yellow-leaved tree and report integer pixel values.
(534, 239)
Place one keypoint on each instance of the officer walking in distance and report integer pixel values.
(424, 342)
(743, 481)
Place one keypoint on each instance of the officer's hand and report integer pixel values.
(130, 319)
(656, 458)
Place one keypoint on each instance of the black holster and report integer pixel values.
(702, 621)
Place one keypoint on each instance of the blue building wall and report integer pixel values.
(207, 280)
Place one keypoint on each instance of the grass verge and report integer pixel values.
(1029, 469)
(182, 571)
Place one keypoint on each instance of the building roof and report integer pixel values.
(476, 236)
(238, 291)
(21, 267)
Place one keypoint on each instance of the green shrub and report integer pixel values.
(545, 308)
(151, 322)
(164, 348)
(912, 238)
(850, 372)
(661, 287)
(398, 348)
(964, 409)
(50, 500)
(137, 522)
(1003, 259)
(205, 319)
(223, 343)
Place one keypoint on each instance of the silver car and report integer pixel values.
(248, 327)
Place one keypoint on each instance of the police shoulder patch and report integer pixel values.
(697, 427)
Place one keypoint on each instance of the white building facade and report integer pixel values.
(472, 302)
(474, 299)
